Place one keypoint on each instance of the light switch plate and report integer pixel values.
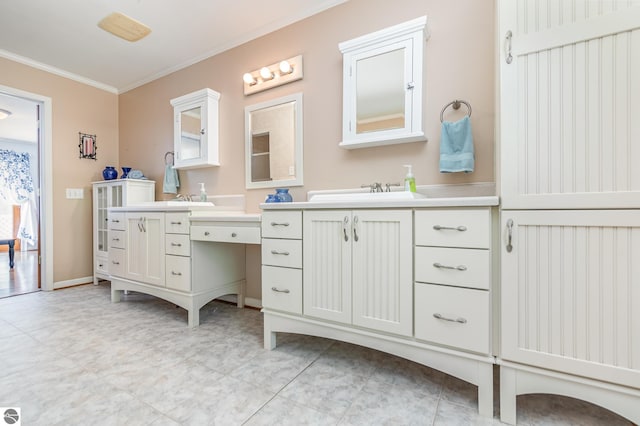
(75, 193)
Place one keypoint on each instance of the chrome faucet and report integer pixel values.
(181, 197)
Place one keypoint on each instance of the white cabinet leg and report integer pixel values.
(507, 395)
(116, 295)
(193, 316)
(485, 390)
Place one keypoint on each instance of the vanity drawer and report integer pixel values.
(117, 221)
(178, 273)
(117, 239)
(453, 266)
(453, 228)
(177, 244)
(176, 223)
(116, 262)
(463, 316)
(102, 265)
(226, 234)
(286, 253)
(282, 289)
(282, 224)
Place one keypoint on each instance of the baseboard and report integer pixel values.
(248, 301)
(74, 282)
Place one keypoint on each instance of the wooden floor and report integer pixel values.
(23, 278)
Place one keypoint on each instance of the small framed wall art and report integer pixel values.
(87, 146)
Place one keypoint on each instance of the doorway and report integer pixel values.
(25, 141)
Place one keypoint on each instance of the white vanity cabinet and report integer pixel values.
(181, 255)
(196, 129)
(113, 193)
(368, 278)
(357, 268)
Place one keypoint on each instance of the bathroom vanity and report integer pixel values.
(186, 253)
(411, 277)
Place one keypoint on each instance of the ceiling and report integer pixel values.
(62, 37)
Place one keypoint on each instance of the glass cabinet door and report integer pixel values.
(102, 218)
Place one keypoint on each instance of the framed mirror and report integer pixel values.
(273, 143)
(382, 86)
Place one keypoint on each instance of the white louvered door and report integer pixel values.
(570, 102)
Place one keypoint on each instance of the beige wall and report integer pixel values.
(76, 108)
(135, 129)
(459, 64)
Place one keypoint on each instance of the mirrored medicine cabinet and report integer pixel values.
(195, 140)
(273, 143)
(382, 86)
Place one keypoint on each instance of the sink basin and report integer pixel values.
(366, 196)
(172, 203)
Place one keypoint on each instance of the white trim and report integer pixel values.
(248, 301)
(56, 71)
(45, 181)
(73, 282)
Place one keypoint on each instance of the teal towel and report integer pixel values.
(456, 147)
(170, 183)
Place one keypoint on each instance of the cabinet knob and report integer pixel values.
(207, 233)
(233, 234)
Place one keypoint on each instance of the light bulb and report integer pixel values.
(266, 74)
(248, 78)
(285, 67)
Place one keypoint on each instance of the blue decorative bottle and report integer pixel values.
(271, 198)
(109, 173)
(283, 196)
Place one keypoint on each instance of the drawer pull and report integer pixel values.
(458, 320)
(457, 268)
(233, 234)
(279, 224)
(207, 233)
(282, 253)
(280, 291)
(115, 263)
(115, 221)
(116, 239)
(460, 228)
(176, 245)
(179, 274)
(176, 223)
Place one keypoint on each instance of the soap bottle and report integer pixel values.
(203, 193)
(409, 180)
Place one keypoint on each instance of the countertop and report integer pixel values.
(483, 201)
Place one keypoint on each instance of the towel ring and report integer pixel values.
(456, 105)
(169, 153)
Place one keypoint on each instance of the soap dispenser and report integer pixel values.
(203, 193)
(409, 180)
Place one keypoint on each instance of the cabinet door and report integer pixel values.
(145, 247)
(100, 220)
(382, 270)
(327, 265)
(570, 287)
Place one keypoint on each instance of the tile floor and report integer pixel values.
(70, 357)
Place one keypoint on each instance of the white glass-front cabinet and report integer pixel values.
(358, 268)
(113, 193)
(195, 121)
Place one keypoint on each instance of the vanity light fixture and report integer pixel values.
(4, 114)
(277, 74)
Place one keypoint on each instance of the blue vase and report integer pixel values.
(283, 196)
(125, 172)
(271, 198)
(109, 173)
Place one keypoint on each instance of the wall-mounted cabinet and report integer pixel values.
(195, 121)
(382, 86)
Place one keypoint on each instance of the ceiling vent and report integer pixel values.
(124, 27)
